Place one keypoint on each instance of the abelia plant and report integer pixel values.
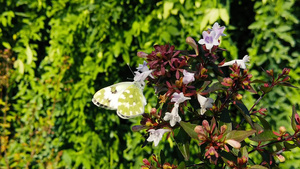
(199, 100)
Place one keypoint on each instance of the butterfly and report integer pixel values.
(125, 97)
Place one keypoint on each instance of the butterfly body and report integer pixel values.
(125, 97)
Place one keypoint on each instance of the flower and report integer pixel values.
(156, 135)
(143, 67)
(205, 103)
(209, 40)
(140, 77)
(240, 62)
(219, 30)
(179, 98)
(173, 116)
(188, 77)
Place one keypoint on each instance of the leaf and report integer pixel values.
(224, 15)
(6, 45)
(287, 84)
(239, 135)
(189, 129)
(293, 119)
(181, 165)
(167, 7)
(29, 54)
(245, 112)
(266, 135)
(265, 124)
(289, 146)
(258, 81)
(258, 167)
(216, 86)
(183, 142)
(244, 151)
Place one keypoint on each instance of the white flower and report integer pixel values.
(209, 40)
(142, 73)
(179, 98)
(140, 77)
(219, 30)
(188, 77)
(241, 62)
(143, 67)
(205, 103)
(173, 116)
(156, 135)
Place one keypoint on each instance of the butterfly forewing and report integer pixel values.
(131, 102)
(108, 96)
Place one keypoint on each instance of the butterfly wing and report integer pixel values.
(108, 96)
(131, 102)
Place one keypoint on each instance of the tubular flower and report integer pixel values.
(205, 103)
(173, 117)
(240, 62)
(156, 135)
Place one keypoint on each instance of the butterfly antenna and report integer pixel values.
(130, 69)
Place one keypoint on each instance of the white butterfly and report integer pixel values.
(125, 97)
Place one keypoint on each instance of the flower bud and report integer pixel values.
(280, 158)
(192, 43)
(286, 71)
(142, 54)
(282, 129)
(158, 54)
(239, 97)
(199, 130)
(233, 143)
(205, 124)
(138, 128)
(203, 71)
(167, 166)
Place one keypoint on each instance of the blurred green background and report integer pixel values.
(63, 51)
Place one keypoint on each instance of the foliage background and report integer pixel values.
(63, 51)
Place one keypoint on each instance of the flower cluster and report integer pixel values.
(193, 89)
(215, 139)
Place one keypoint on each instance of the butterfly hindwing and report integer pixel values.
(131, 102)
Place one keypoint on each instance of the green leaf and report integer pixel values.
(183, 142)
(167, 7)
(29, 54)
(289, 146)
(245, 112)
(224, 15)
(244, 151)
(181, 165)
(189, 129)
(266, 135)
(293, 120)
(214, 87)
(6, 45)
(258, 167)
(239, 135)
(265, 124)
